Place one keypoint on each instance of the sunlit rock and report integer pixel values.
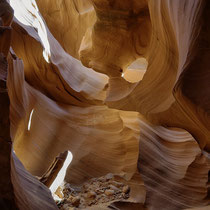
(104, 99)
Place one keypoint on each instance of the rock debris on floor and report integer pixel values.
(96, 191)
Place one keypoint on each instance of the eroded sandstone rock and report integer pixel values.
(71, 87)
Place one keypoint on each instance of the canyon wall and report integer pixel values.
(122, 85)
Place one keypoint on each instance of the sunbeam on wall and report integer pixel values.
(29, 121)
(27, 13)
(136, 70)
(61, 174)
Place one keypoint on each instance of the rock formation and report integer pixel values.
(122, 85)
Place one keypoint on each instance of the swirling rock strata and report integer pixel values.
(70, 69)
(174, 170)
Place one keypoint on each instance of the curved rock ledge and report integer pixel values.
(121, 86)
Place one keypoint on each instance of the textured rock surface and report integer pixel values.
(94, 193)
(123, 85)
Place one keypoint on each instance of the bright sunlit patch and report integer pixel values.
(29, 121)
(27, 12)
(136, 70)
(61, 174)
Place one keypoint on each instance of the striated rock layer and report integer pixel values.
(122, 85)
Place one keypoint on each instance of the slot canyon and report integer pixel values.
(105, 104)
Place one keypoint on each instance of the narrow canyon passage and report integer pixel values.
(104, 104)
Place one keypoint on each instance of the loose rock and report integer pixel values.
(126, 189)
(117, 184)
(59, 192)
(76, 201)
(91, 194)
(112, 187)
(95, 191)
(101, 179)
(109, 192)
(109, 176)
